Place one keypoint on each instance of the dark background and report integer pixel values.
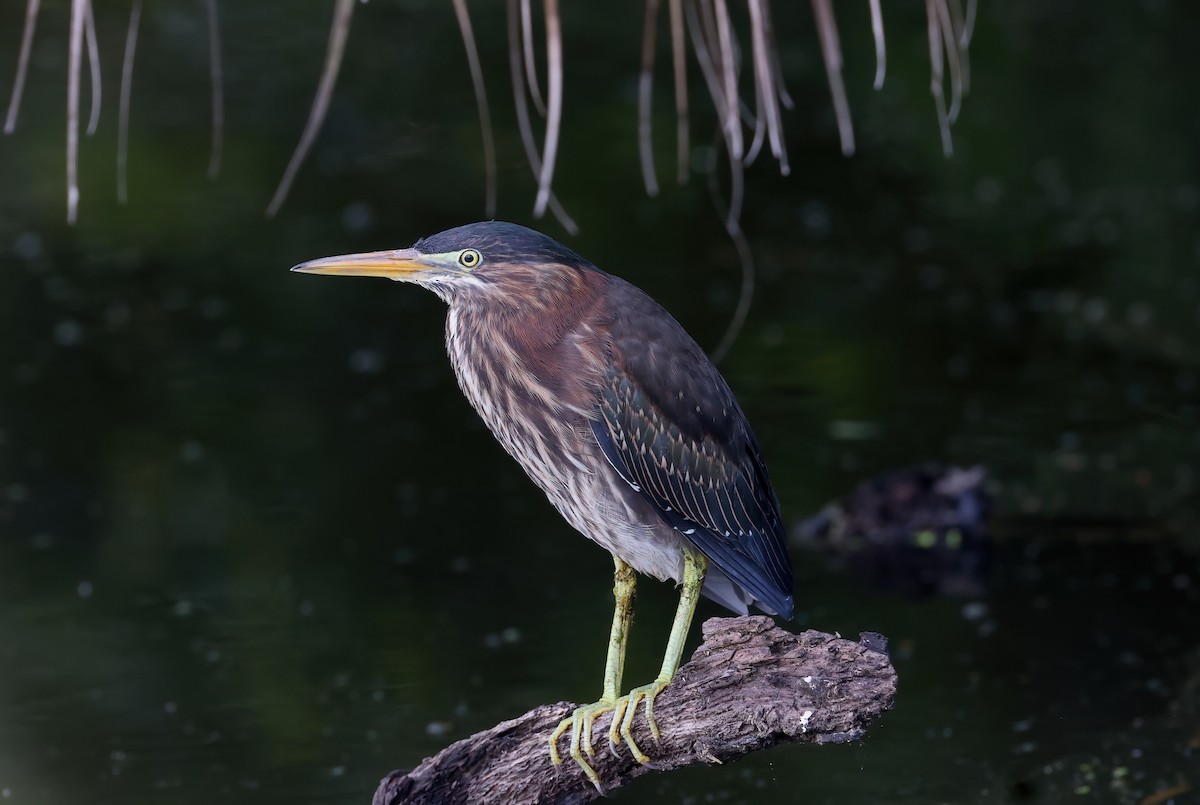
(254, 546)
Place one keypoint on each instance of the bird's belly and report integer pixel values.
(598, 503)
(557, 450)
(604, 509)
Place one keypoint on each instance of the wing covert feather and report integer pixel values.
(670, 426)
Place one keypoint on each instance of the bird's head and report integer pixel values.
(488, 260)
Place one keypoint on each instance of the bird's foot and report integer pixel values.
(580, 723)
(624, 711)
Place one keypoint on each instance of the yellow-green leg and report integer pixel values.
(625, 708)
(580, 722)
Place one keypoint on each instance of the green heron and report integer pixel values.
(621, 419)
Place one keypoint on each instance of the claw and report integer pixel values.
(580, 723)
(620, 731)
(629, 703)
(624, 708)
(614, 729)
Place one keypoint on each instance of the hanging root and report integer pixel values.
(645, 93)
(218, 94)
(880, 44)
(481, 101)
(949, 31)
(74, 67)
(831, 51)
(521, 104)
(14, 103)
(746, 127)
(131, 34)
(554, 89)
(93, 51)
(338, 31)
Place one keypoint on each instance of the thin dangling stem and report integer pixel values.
(131, 33)
(703, 34)
(880, 43)
(645, 90)
(93, 51)
(728, 63)
(218, 93)
(554, 90)
(936, 58)
(14, 103)
(953, 61)
(74, 67)
(832, 53)
(481, 102)
(679, 64)
(535, 91)
(338, 32)
(521, 105)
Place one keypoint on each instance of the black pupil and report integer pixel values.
(469, 258)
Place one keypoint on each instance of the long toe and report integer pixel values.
(625, 711)
(580, 724)
(614, 729)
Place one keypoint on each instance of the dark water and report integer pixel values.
(255, 547)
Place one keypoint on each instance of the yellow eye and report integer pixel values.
(469, 258)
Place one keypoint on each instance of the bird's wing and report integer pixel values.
(670, 426)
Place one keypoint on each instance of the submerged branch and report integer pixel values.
(750, 686)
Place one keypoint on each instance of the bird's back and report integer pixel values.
(672, 428)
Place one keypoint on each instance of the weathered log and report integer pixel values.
(749, 686)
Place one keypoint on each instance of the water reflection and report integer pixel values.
(253, 542)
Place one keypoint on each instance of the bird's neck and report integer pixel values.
(531, 344)
(531, 311)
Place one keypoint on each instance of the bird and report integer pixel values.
(621, 418)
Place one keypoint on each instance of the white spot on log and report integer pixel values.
(804, 719)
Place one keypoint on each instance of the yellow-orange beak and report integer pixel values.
(396, 264)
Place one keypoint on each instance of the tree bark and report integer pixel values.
(749, 686)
